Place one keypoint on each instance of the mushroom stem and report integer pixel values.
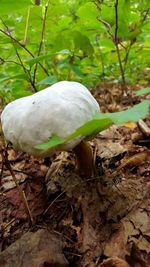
(84, 159)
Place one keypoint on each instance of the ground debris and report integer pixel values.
(114, 262)
(102, 221)
(37, 249)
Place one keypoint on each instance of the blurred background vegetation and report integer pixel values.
(42, 42)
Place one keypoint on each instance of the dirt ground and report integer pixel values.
(70, 221)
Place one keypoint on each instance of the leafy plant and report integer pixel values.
(85, 41)
(100, 122)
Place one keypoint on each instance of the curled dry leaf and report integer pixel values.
(135, 160)
(114, 262)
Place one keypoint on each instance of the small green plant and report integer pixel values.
(85, 41)
(100, 122)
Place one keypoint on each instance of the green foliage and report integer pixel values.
(143, 91)
(72, 40)
(101, 122)
(53, 142)
(10, 6)
(91, 128)
(139, 111)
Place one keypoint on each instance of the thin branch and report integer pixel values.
(117, 46)
(127, 56)
(113, 36)
(27, 25)
(145, 15)
(42, 38)
(25, 48)
(26, 71)
(116, 21)
(102, 61)
(4, 154)
(9, 61)
(105, 23)
(20, 191)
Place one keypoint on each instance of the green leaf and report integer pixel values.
(88, 130)
(143, 91)
(82, 42)
(10, 6)
(91, 128)
(48, 80)
(101, 122)
(18, 93)
(53, 142)
(37, 59)
(139, 111)
(88, 11)
(106, 44)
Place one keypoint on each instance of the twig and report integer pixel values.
(102, 61)
(42, 38)
(145, 15)
(106, 24)
(5, 161)
(26, 71)
(21, 193)
(25, 48)
(27, 25)
(53, 202)
(127, 56)
(9, 61)
(117, 46)
(114, 37)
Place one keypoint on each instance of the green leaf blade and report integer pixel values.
(53, 142)
(139, 111)
(91, 128)
(143, 91)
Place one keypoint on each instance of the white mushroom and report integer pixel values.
(57, 110)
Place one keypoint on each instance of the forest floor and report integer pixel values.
(102, 221)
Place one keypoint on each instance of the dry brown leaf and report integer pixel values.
(108, 148)
(114, 262)
(135, 160)
(34, 250)
(8, 182)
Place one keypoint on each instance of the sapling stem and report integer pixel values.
(84, 159)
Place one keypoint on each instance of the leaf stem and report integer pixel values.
(5, 161)
(117, 47)
(42, 38)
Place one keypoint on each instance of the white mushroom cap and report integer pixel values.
(57, 110)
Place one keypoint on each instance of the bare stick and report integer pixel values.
(117, 46)
(5, 161)
(42, 38)
(101, 56)
(26, 71)
(21, 193)
(27, 25)
(25, 48)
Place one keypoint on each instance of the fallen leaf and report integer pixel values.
(114, 262)
(37, 249)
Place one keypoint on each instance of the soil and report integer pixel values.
(101, 221)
